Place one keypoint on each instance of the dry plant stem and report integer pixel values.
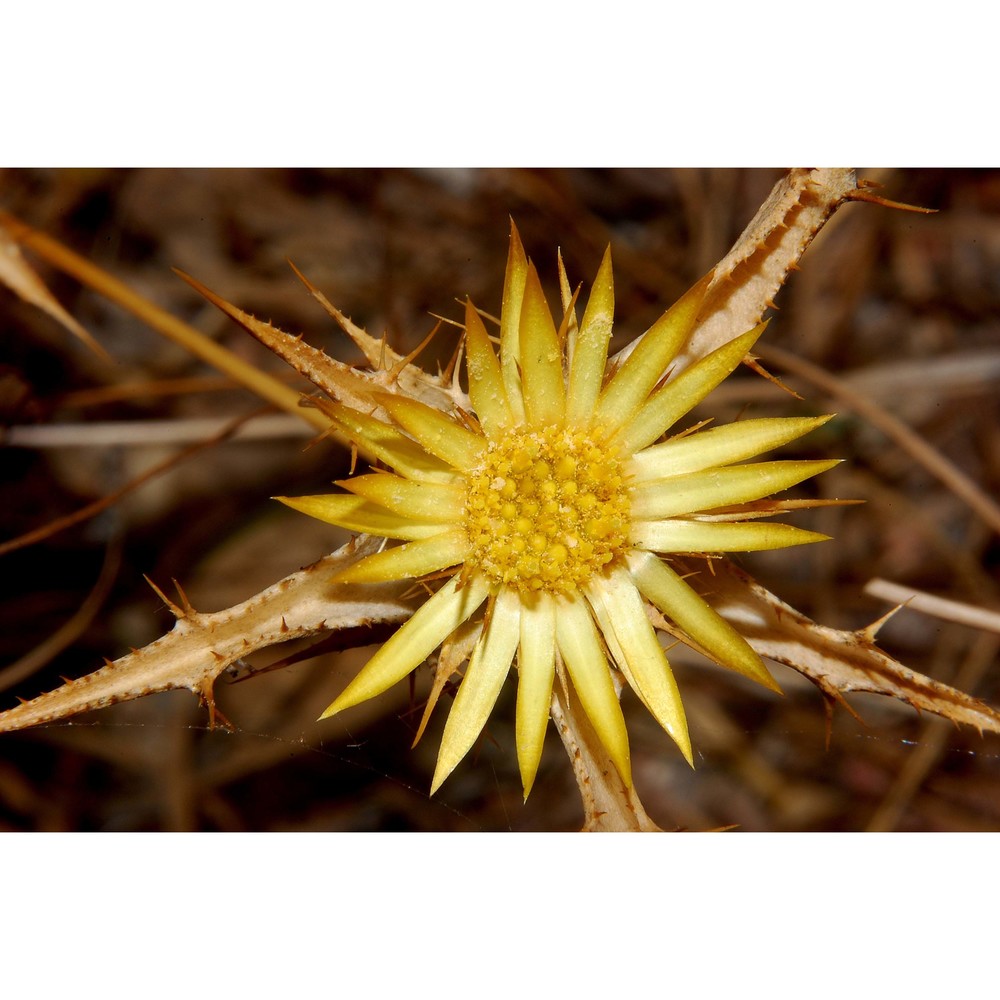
(200, 346)
(955, 377)
(958, 374)
(152, 389)
(939, 607)
(962, 563)
(932, 741)
(201, 646)
(92, 509)
(129, 433)
(608, 805)
(894, 428)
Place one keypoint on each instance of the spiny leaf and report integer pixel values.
(838, 662)
(746, 280)
(202, 646)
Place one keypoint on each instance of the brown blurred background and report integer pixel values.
(904, 306)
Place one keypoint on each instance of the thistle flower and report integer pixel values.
(553, 510)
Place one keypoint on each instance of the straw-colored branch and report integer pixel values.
(92, 509)
(937, 607)
(243, 372)
(137, 433)
(912, 443)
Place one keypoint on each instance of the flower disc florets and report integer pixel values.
(546, 510)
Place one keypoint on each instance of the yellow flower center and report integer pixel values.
(546, 510)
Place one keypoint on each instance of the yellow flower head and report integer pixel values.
(552, 506)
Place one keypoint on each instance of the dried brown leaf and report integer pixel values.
(22, 280)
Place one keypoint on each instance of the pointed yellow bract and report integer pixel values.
(486, 388)
(542, 381)
(536, 659)
(590, 354)
(550, 514)
(648, 362)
